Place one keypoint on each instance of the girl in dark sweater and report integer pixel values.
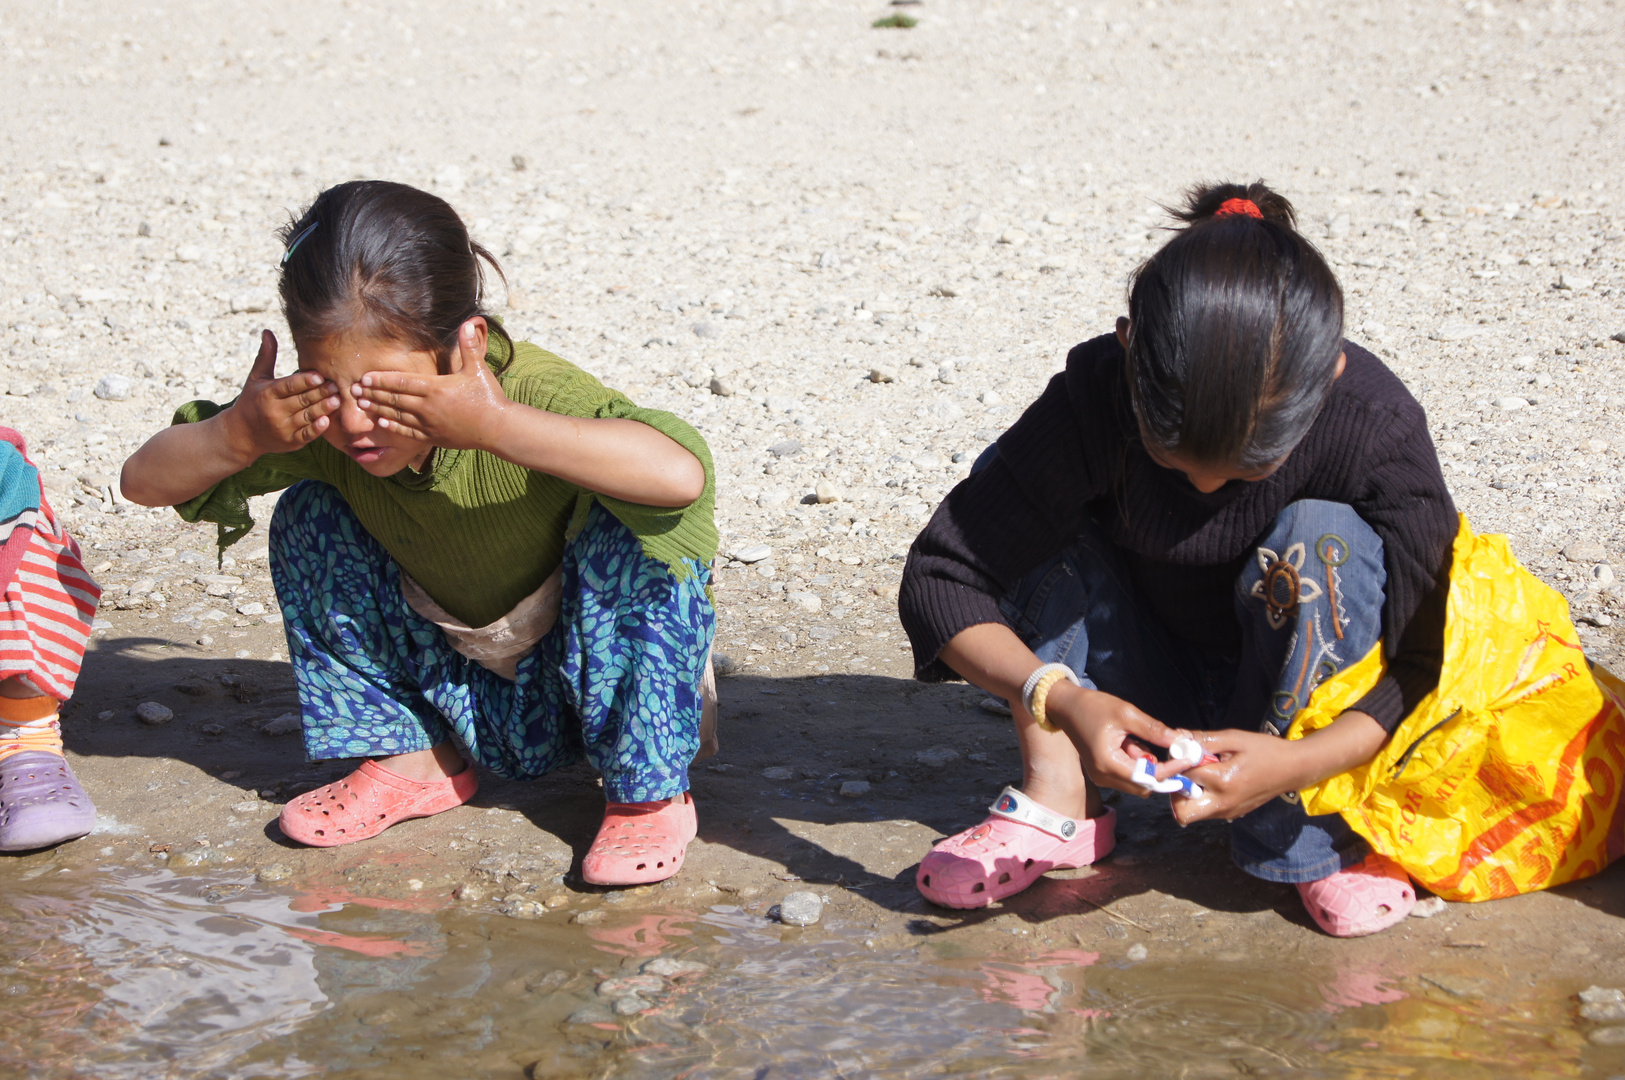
(1206, 515)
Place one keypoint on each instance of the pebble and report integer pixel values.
(804, 601)
(724, 665)
(937, 756)
(1585, 551)
(778, 772)
(787, 448)
(1603, 1012)
(801, 908)
(854, 789)
(827, 492)
(722, 388)
(247, 806)
(1137, 952)
(705, 330)
(1458, 331)
(587, 918)
(1594, 995)
(254, 608)
(286, 724)
(667, 968)
(1426, 909)
(647, 983)
(591, 1014)
(520, 907)
(631, 1005)
(1510, 403)
(991, 397)
(273, 873)
(114, 388)
(1573, 282)
(775, 497)
(753, 554)
(469, 892)
(882, 375)
(181, 860)
(1602, 576)
(1608, 1036)
(152, 713)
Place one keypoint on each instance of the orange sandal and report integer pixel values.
(367, 802)
(641, 843)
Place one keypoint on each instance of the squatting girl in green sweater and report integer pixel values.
(483, 553)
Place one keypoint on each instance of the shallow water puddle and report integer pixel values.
(142, 973)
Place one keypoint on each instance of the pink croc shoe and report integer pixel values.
(367, 802)
(1369, 896)
(1019, 843)
(641, 843)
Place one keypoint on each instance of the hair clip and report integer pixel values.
(286, 255)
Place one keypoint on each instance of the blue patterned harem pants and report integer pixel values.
(617, 679)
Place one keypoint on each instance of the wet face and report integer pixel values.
(343, 360)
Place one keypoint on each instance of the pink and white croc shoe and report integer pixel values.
(1019, 843)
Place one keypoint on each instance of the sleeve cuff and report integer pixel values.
(1385, 704)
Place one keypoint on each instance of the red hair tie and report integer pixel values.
(1245, 207)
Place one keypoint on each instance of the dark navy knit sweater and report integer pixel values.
(1076, 454)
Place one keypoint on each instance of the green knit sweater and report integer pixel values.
(479, 533)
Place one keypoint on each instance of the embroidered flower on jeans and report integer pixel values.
(1282, 587)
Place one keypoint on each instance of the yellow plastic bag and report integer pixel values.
(1507, 778)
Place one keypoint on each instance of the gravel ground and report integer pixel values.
(849, 255)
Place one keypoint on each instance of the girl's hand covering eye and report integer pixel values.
(278, 416)
(457, 411)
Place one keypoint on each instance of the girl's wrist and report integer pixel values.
(236, 436)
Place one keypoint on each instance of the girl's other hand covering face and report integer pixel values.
(343, 360)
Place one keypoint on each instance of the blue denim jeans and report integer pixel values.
(1309, 603)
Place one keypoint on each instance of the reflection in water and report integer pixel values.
(134, 973)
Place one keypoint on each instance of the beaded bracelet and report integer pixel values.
(1037, 688)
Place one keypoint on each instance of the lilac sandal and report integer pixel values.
(41, 802)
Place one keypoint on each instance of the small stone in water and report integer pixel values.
(273, 873)
(853, 789)
(801, 908)
(1594, 995)
(153, 714)
(632, 984)
(673, 969)
(587, 918)
(1137, 952)
(183, 859)
(1426, 909)
(591, 1014)
(519, 907)
(631, 1004)
(551, 981)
